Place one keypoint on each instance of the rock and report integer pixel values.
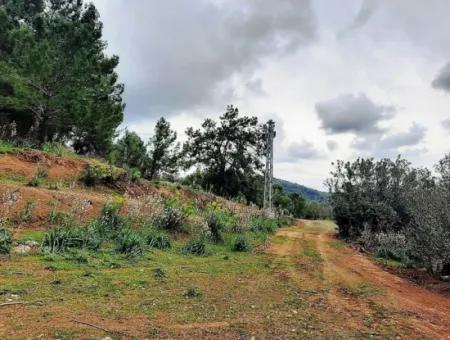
(22, 249)
(32, 243)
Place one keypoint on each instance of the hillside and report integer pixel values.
(137, 259)
(308, 193)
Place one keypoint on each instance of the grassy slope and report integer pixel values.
(302, 286)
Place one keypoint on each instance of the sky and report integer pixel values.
(341, 78)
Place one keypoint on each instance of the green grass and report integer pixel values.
(362, 290)
(6, 147)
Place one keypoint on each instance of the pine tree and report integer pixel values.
(163, 156)
(55, 80)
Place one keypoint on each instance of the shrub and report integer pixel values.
(62, 238)
(172, 219)
(215, 226)
(100, 173)
(5, 240)
(129, 242)
(241, 243)
(392, 246)
(263, 224)
(110, 223)
(157, 239)
(195, 246)
(192, 292)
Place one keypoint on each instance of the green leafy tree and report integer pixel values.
(56, 82)
(129, 152)
(163, 155)
(229, 153)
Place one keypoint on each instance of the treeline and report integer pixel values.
(395, 210)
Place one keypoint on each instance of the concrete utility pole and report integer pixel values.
(268, 176)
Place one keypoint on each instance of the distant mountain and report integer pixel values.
(308, 193)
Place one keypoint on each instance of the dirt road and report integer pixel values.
(356, 287)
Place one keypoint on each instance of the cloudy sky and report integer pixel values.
(342, 78)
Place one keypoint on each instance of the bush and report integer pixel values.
(5, 240)
(392, 246)
(241, 243)
(192, 292)
(100, 173)
(172, 219)
(61, 239)
(129, 242)
(263, 224)
(196, 246)
(110, 223)
(156, 239)
(215, 227)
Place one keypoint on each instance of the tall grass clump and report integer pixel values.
(241, 243)
(156, 239)
(61, 239)
(195, 246)
(5, 240)
(129, 242)
(215, 227)
(38, 177)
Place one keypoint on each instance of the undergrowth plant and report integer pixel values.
(5, 239)
(156, 239)
(195, 246)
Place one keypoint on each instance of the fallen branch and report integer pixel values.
(100, 328)
(21, 303)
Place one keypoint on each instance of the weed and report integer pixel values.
(192, 292)
(129, 242)
(61, 239)
(196, 246)
(241, 243)
(263, 224)
(157, 239)
(171, 220)
(215, 226)
(27, 213)
(159, 273)
(40, 174)
(5, 240)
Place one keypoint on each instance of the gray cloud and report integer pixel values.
(298, 151)
(446, 124)
(181, 54)
(413, 136)
(368, 8)
(350, 113)
(387, 145)
(442, 79)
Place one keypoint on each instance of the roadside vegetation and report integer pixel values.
(395, 211)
